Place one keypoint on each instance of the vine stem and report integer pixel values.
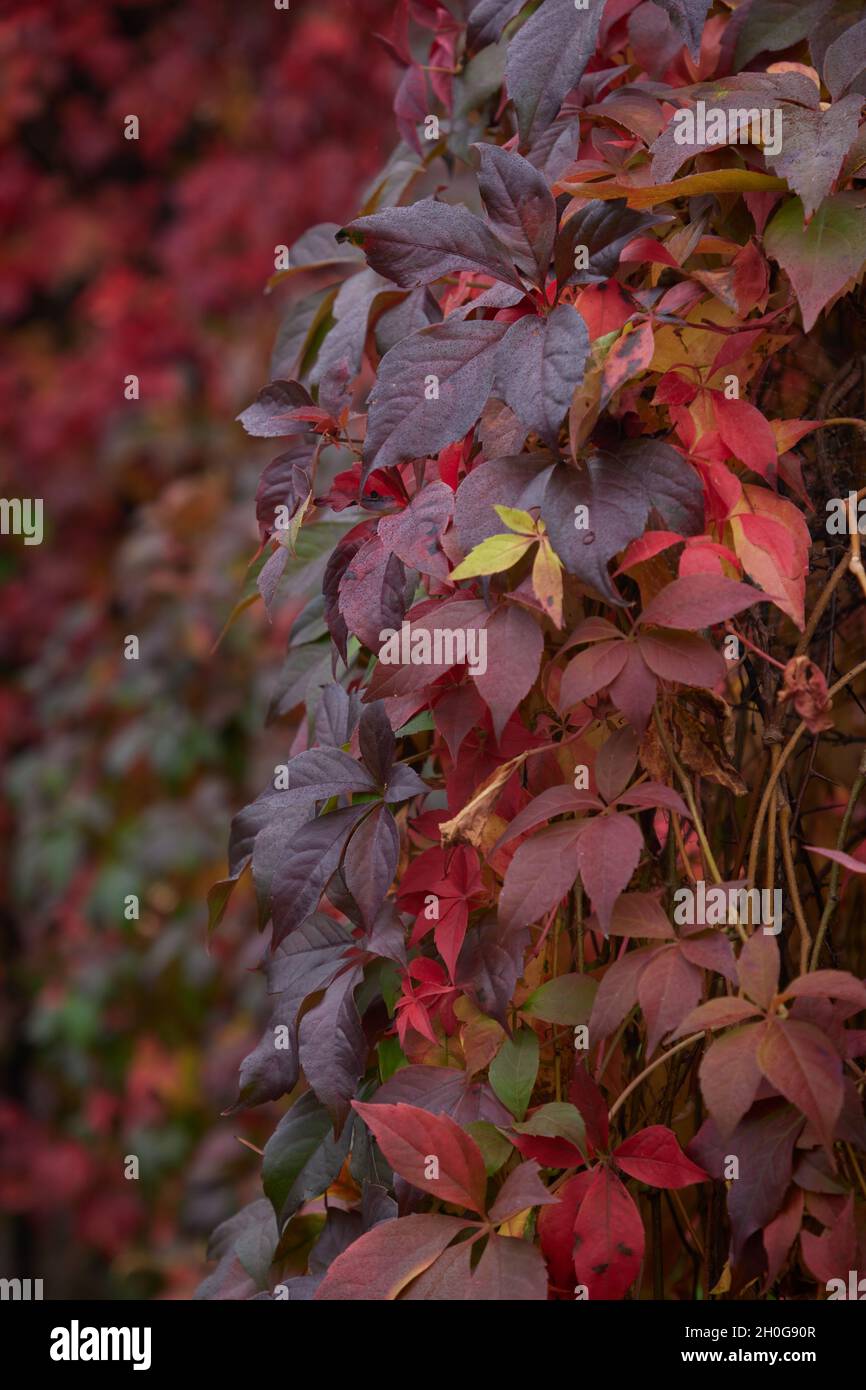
(665, 1056)
(779, 768)
(690, 797)
(833, 892)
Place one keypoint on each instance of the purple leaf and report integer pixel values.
(522, 1188)
(689, 18)
(845, 60)
(443, 1091)
(370, 862)
(300, 880)
(608, 852)
(404, 782)
(272, 412)
(332, 1048)
(520, 208)
(337, 716)
(321, 773)
(286, 482)
(815, 145)
(376, 741)
(539, 364)
(618, 491)
(372, 592)
(488, 19)
(431, 389)
(414, 534)
(340, 357)
(604, 228)
(414, 245)
(306, 962)
(546, 58)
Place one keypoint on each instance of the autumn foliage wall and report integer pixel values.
(589, 394)
(142, 257)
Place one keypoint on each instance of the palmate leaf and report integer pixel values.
(546, 58)
(688, 18)
(520, 207)
(381, 1264)
(431, 388)
(619, 490)
(819, 259)
(539, 365)
(409, 1137)
(415, 245)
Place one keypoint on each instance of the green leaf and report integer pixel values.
(517, 520)
(302, 1158)
(495, 1148)
(492, 556)
(567, 999)
(558, 1120)
(513, 1071)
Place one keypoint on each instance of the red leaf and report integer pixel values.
(608, 852)
(834, 1253)
(608, 1238)
(556, 1231)
(828, 984)
(585, 1095)
(409, 1138)
(699, 601)
(653, 1156)
(798, 1060)
(758, 967)
(634, 690)
(540, 874)
(640, 914)
(617, 993)
(682, 656)
(856, 866)
(716, 1013)
(780, 1234)
(591, 671)
(414, 534)
(380, 1264)
(510, 631)
(668, 989)
(555, 801)
(746, 434)
(730, 1077)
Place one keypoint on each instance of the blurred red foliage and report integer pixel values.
(142, 257)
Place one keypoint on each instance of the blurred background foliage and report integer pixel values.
(148, 257)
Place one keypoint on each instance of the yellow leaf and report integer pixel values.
(547, 580)
(492, 556)
(517, 520)
(713, 181)
(515, 1225)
